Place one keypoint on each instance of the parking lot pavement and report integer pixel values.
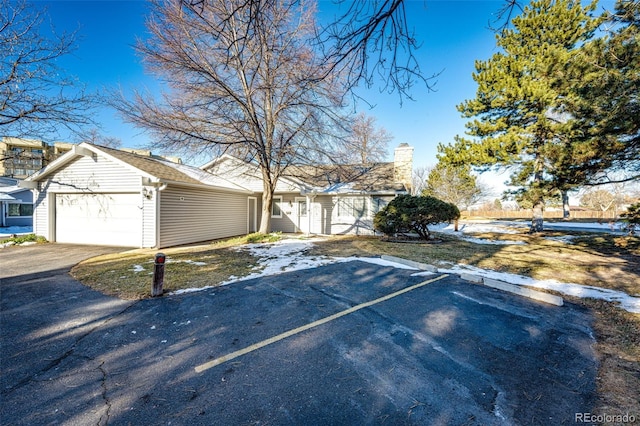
(339, 344)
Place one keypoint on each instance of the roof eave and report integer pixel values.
(205, 186)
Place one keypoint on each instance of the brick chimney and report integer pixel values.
(403, 165)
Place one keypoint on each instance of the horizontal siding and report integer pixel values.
(41, 214)
(286, 223)
(189, 215)
(325, 219)
(88, 174)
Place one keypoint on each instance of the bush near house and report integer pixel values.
(19, 239)
(413, 214)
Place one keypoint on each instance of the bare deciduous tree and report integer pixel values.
(454, 184)
(366, 143)
(94, 136)
(240, 75)
(36, 96)
(419, 179)
(372, 41)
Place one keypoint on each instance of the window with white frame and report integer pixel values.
(352, 207)
(17, 210)
(276, 206)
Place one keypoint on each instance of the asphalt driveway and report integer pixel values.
(349, 343)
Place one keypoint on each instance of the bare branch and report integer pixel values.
(372, 41)
(36, 96)
(241, 76)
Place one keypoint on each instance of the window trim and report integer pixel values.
(19, 204)
(274, 200)
(366, 213)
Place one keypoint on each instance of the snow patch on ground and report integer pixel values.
(476, 228)
(289, 255)
(189, 261)
(628, 303)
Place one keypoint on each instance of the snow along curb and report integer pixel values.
(417, 265)
(489, 282)
(524, 291)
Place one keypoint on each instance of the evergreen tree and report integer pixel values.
(606, 79)
(519, 114)
(411, 214)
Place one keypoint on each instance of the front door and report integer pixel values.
(302, 215)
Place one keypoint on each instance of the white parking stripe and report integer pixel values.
(202, 367)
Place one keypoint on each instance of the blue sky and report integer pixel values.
(453, 35)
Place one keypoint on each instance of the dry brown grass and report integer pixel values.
(601, 260)
(119, 275)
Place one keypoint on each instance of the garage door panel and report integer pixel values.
(106, 219)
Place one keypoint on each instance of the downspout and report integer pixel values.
(157, 207)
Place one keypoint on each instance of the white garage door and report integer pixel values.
(101, 219)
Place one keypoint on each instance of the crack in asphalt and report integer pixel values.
(55, 362)
(103, 385)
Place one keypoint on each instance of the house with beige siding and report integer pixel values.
(103, 196)
(323, 199)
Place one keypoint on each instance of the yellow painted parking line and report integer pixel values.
(274, 339)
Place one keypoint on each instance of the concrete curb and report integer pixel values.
(413, 264)
(515, 289)
(489, 282)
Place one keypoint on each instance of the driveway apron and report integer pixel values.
(44, 313)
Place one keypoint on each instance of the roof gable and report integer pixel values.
(156, 170)
(152, 167)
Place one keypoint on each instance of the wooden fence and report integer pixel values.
(555, 214)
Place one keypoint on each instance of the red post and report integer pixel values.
(158, 275)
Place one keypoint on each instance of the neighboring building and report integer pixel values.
(20, 158)
(98, 195)
(16, 205)
(60, 148)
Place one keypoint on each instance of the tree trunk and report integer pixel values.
(265, 220)
(565, 205)
(537, 221)
(538, 204)
(268, 188)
